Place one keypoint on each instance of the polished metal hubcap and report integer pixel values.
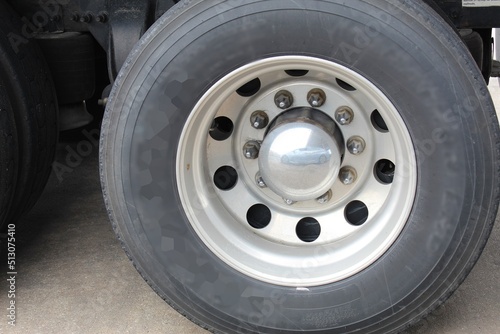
(301, 155)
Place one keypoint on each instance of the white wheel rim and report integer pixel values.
(275, 253)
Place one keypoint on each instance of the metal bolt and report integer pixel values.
(75, 17)
(356, 145)
(86, 18)
(102, 102)
(348, 175)
(259, 119)
(344, 115)
(260, 181)
(102, 17)
(283, 99)
(325, 198)
(288, 201)
(316, 98)
(251, 149)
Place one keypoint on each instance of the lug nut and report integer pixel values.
(325, 198)
(288, 201)
(316, 98)
(102, 102)
(86, 18)
(344, 115)
(102, 17)
(251, 149)
(283, 99)
(259, 120)
(260, 181)
(348, 175)
(356, 145)
(75, 17)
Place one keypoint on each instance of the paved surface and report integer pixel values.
(73, 276)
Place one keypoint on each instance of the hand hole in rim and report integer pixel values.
(250, 88)
(345, 85)
(259, 216)
(378, 122)
(296, 73)
(221, 128)
(225, 178)
(308, 229)
(356, 213)
(384, 171)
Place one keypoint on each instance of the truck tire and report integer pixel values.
(239, 239)
(497, 46)
(31, 94)
(8, 154)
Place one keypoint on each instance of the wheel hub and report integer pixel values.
(301, 154)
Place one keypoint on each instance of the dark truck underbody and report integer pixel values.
(116, 25)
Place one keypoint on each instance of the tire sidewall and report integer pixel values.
(31, 94)
(9, 156)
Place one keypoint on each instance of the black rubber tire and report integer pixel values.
(8, 154)
(405, 49)
(497, 46)
(31, 94)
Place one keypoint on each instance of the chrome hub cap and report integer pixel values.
(296, 171)
(300, 157)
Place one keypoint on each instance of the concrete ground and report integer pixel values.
(73, 277)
